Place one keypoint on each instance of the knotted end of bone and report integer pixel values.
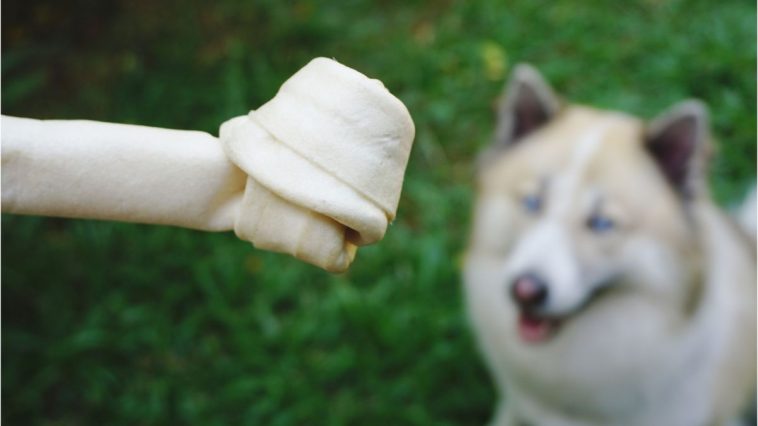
(325, 160)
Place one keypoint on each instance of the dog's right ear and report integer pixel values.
(679, 142)
(527, 103)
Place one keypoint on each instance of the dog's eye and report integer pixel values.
(532, 203)
(600, 224)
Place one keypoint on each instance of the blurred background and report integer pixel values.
(109, 323)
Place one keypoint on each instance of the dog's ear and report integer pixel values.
(527, 103)
(679, 141)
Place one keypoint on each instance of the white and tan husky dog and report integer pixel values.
(604, 285)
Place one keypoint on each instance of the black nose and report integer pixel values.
(529, 291)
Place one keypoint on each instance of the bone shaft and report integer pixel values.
(88, 169)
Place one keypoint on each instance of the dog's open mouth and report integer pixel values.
(537, 327)
(534, 328)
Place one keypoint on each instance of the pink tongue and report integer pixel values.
(534, 329)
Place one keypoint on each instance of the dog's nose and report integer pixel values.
(529, 291)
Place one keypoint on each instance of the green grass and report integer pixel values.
(106, 323)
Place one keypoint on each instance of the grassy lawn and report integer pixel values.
(108, 323)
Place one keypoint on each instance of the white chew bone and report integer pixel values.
(314, 172)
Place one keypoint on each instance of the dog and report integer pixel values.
(603, 284)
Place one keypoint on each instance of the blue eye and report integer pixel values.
(600, 224)
(532, 203)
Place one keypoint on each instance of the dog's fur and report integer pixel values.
(655, 309)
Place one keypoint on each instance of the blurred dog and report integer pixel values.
(603, 283)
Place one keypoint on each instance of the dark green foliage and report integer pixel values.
(108, 323)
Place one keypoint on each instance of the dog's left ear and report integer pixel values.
(679, 141)
(527, 103)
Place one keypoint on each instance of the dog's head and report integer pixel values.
(578, 206)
